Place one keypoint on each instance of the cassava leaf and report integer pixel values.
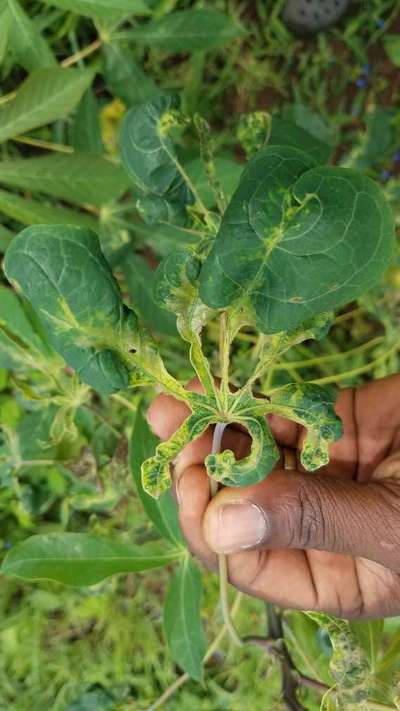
(78, 178)
(182, 621)
(176, 289)
(256, 466)
(156, 477)
(63, 273)
(124, 78)
(103, 9)
(187, 30)
(163, 511)
(148, 156)
(36, 212)
(286, 133)
(297, 240)
(312, 406)
(80, 559)
(140, 281)
(85, 130)
(17, 333)
(27, 44)
(46, 95)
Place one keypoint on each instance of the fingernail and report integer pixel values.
(237, 525)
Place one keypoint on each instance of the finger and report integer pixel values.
(283, 577)
(292, 510)
(378, 417)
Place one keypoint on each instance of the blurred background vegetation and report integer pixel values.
(102, 648)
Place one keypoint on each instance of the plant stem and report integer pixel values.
(224, 349)
(181, 680)
(222, 561)
(307, 363)
(85, 52)
(123, 401)
(47, 145)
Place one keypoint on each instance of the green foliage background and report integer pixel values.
(102, 647)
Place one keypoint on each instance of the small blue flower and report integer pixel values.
(7, 545)
(386, 174)
(380, 23)
(361, 83)
(396, 157)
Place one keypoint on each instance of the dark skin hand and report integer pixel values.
(328, 540)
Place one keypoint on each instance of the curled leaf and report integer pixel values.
(149, 158)
(156, 477)
(297, 240)
(263, 456)
(312, 406)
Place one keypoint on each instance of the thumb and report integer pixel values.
(293, 510)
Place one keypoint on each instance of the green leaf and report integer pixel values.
(124, 78)
(313, 407)
(286, 133)
(372, 144)
(182, 621)
(163, 239)
(149, 158)
(5, 28)
(27, 44)
(46, 95)
(391, 44)
(78, 178)
(80, 559)
(16, 332)
(6, 236)
(102, 9)
(85, 131)
(307, 119)
(140, 281)
(187, 31)
(35, 212)
(163, 511)
(63, 273)
(297, 240)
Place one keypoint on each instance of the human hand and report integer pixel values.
(326, 541)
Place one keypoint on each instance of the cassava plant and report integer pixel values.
(297, 240)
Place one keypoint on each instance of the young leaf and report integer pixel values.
(46, 95)
(156, 477)
(103, 9)
(140, 282)
(182, 621)
(228, 173)
(80, 559)
(85, 131)
(313, 407)
(163, 511)
(148, 156)
(124, 78)
(297, 240)
(27, 44)
(78, 178)
(63, 273)
(35, 212)
(263, 456)
(187, 31)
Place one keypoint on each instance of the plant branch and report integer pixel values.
(85, 52)
(222, 561)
